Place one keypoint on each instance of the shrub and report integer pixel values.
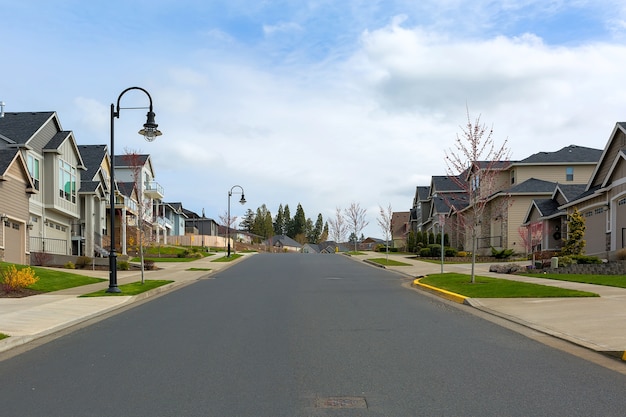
(13, 279)
(83, 262)
(69, 265)
(123, 265)
(425, 252)
(501, 254)
(621, 254)
(435, 249)
(197, 255)
(584, 259)
(184, 254)
(451, 251)
(565, 260)
(462, 254)
(148, 264)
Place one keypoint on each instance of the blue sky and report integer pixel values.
(318, 102)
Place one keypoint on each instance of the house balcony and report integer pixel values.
(123, 202)
(163, 222)
(154, 190)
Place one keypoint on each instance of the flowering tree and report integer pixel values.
(338, 227)
(531, 236)
(474, 164)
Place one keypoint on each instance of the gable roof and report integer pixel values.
(532, 186)
(20, 127)
(10, 156)
(282, 240)
(92, 158)
(571, 154)
(445, 183)
(569, 191)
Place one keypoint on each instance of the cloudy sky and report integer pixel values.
(318, 102)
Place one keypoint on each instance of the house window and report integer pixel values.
(32, 164)
(67, 181)
(512, 176)
(569, 174)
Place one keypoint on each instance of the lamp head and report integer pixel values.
(150, 131)
(243, 199)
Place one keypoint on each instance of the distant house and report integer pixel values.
(283, 243)
(324, 247)
(400, 226)
(87, 236)
(370, 243)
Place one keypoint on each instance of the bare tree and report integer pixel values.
(338, 227)
(384, 221)
(228, 224)
(356, 219)
(474, 164)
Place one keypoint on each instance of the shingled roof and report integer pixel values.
(20, 127)
(568, 154)
(532, 186)
(92, 158)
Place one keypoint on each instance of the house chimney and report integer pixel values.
(1, 109)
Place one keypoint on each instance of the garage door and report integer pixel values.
(14, 245)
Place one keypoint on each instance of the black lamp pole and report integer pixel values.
(150, 132)
(242, 201)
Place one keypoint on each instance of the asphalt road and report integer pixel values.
(302, 335)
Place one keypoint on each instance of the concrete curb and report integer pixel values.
(457, 298)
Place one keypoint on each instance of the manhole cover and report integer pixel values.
(341, 402)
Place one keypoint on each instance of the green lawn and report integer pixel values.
(3, 336)
(387, 262)
(55, 280)
(164, 259)
(485, 287)
(133, 288)
(608, 280)
(198, 269)
(225, 258)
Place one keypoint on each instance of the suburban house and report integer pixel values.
(513, 186)
(399, 228)
(16, 187)
(94, 192)
(324, 247)
(603, 202)
(55, 165)
(138, 169)
(175, 214)
(283, 243)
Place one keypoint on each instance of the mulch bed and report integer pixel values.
(24, 292)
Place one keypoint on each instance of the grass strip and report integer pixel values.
(607, 280)
(133, 288)
(165, 259)
(198, 269)
(3, 336)
(487, 287)
(225, 258)
(387, 262)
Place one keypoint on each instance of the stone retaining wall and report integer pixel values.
(609, 268)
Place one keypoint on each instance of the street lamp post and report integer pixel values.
(242, 201)
(150, 132)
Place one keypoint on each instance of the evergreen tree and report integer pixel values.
(286, 221)
(317, 229)
(575, 244)
(279, 222)
(324, 235)
(263, 225)
(298, 224)
(310, 231)
(248, 221)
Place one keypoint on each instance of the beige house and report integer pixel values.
(510, 191)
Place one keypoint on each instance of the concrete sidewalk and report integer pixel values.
(26, 319)
(596, 323)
